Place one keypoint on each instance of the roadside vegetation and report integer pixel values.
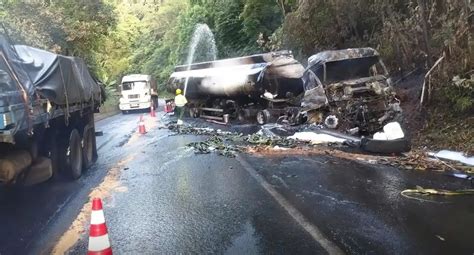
(414, 37)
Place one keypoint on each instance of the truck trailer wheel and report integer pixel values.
(263, 117)
(74, 158)
(88, 146)
(194, 112)
(243, 115)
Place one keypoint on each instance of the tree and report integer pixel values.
(261, 17)
(66, 27)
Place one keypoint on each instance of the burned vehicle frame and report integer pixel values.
(349, 90)
(260, 87)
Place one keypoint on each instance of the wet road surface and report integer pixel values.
(33, 218)
(178, 202)
(360, 208)
(173, 201)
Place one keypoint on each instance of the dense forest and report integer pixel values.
(117, 37)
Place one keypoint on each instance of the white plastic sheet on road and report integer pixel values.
(315, 138)
(455, 156)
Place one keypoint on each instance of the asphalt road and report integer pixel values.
(172, 201)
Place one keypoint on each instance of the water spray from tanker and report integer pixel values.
(202, 48)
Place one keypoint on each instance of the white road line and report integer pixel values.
(317, 235)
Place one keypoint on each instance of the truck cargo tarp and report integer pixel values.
(8, 53)
(61, 79)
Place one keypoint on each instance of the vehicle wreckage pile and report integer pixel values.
(347, 91)
(343, 100)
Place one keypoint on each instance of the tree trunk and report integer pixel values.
(281, 3)
(426, 35)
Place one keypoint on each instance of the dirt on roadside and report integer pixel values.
(433, 127)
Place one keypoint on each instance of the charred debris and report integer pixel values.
(280, 140)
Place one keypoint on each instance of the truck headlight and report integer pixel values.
(121, 100)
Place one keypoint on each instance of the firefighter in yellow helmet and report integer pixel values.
(180, 101)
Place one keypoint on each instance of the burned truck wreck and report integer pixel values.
(349, 90)
(345, 90)
(257, 88)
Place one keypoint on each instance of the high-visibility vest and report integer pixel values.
(180, 101)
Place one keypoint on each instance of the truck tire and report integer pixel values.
(263, 117)
(194, 112)
(94, 147)
(74, 158)
(242, 115)
(88, 146)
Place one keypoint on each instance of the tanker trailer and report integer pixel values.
(262, 87)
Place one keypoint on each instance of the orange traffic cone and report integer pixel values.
(141, 126)
(99, 242)
(152, 111)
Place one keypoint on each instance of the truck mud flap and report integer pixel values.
(385, 147)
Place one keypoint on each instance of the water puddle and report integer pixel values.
(246, 242)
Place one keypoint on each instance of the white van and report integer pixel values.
(138, 92)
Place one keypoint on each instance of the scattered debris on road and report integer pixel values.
(315, 138)
(440, 192)
(217, 144)
(189, 130)
(311, 140)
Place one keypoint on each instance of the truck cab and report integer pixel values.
(138, 92)
(349, 90)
